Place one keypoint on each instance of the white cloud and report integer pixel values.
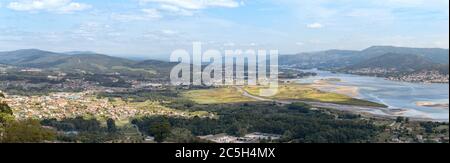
(92, 31)
(152, 13)
(189, 7)
(169, 32)
(176, 10)
(197, 4)
(147, 14)
(58, 6)
(314, 26)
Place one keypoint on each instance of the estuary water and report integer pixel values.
(395, 94)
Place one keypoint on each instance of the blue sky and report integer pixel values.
(150, 28)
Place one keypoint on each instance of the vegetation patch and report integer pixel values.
(217, 96)
(302, 92)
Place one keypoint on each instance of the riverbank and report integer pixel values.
(325, 85)
(366, 111)
(395, 94)
(307, 92)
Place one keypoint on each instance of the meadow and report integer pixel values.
(288, 92)
(217, 96)
(304, 92)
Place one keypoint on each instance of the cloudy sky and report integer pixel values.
(153, 28)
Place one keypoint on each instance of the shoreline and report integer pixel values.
(327, 86)
(375, 112)
(391, 78)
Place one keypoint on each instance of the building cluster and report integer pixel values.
(401, 133)
(423, 77)
(431, 76)
(69, 105)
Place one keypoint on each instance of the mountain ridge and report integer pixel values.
(332, 59)
(397, 61)
(79, 61)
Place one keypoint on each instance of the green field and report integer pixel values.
(217, 96)
(290, 92)
(305, 93)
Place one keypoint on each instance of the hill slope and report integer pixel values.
(330, 58)
(394, 61)
(90, 62)
(334, 59)
(85, 62)
(402, 67)
(434, 54)
(29, 57)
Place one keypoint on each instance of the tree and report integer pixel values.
(160, 130)
(6, 113)
(407, 120)
(181, 135)
(4, 108)
(111, 124)
(301, 107)
(237, 129)
(400, 119)
(287, 135)
(6, 116)
(27, 131)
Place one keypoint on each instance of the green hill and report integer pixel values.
(29, 57)
(399, 62)
(96, 63)
(435, 55)
(84, 61)
(336, 59)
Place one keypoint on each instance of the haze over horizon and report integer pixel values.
(157, 27)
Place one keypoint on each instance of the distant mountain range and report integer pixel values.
(79, 61)
(400, 62)
(436, 55)
(386, 57)
(79, 52)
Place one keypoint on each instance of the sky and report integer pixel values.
(155, 28)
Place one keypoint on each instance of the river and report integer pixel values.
(395, 94)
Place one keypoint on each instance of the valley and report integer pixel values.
(92, 97)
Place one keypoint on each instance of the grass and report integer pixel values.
(286, 92)
(305, 93)
(217, 96)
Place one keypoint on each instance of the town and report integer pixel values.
(415, 77)
(70, 105)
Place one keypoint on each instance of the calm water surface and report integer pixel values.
(396, 95)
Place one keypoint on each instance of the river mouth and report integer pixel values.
(413, 100)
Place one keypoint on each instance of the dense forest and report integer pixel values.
(296, 122)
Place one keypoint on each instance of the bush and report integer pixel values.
(301, 107)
